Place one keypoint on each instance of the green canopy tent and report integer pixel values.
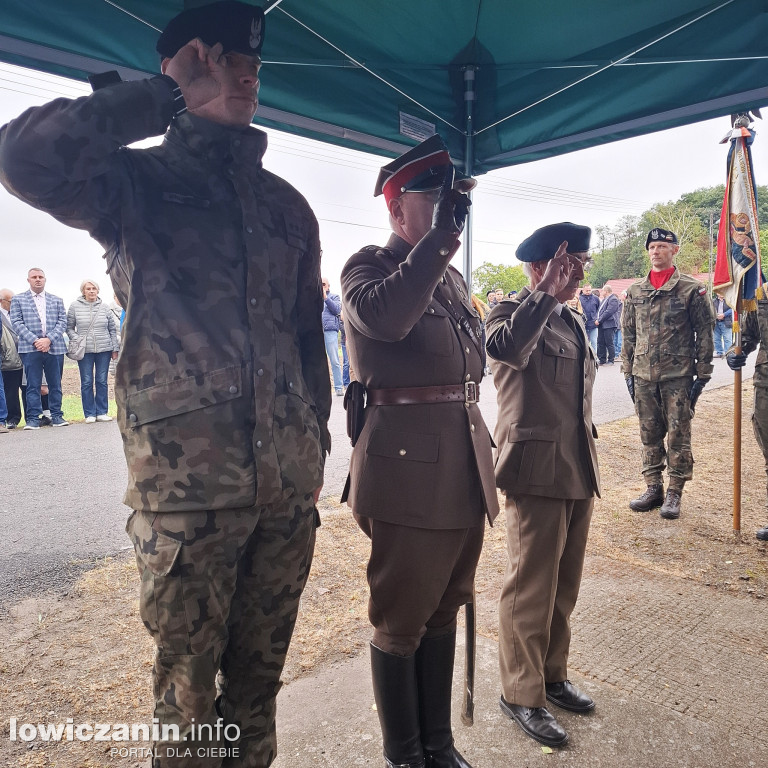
(503, 82)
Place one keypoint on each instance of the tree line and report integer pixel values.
(618, 251)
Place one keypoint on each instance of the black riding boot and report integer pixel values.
(434, 673)
(396, 695)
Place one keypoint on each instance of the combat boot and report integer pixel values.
(670, 509)
(652, 497)
(397, 703)
(434, 677)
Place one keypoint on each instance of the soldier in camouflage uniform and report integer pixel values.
(667, 360)
(754, 331)
(222, 384)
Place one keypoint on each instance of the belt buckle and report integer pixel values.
(470, 392)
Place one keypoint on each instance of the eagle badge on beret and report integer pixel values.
(255, 38)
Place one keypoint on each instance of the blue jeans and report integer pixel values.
(592, 336)
(3, 406)
(723, 337)
(345, 365)
(617, 341)
(34, 364)
(332, 349)
(97, 405)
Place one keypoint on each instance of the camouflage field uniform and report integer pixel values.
(222, 384)
(754, 331)
(667, 342)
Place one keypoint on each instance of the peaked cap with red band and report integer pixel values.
(419, 170)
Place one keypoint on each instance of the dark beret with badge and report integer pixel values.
(542, 245)
(420, 169)
(659, 235)
(239, 27)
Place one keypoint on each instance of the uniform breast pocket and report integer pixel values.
(560, 362)
(433, 335)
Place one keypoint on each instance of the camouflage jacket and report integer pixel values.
(754, 331)
(667, 333)
(222, 385)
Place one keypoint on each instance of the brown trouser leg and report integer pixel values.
(546, 541)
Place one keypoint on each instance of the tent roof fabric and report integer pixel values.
(539, 78)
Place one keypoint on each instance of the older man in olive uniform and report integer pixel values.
(421, 473)
(547, 469)
(222, 383)
(666, 360)
(754, 332)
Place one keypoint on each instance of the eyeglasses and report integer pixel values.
(585, 264)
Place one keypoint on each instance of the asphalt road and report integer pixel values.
(61, 489)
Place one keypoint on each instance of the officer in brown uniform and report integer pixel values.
(222, 383)
(421, 473)
(666, 360)
(547, 469)
(754, 332)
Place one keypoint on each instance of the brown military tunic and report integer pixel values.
(423, 468)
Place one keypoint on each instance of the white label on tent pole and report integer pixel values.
(415, 127)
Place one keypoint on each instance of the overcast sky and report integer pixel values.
(593, 187)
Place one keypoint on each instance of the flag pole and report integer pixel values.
(737, 422)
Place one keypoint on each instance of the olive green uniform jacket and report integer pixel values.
(667, 333)
(420, 465)
(222, 384)
(544, 376)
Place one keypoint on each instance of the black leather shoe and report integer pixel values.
(537, 722)
(450, 757)
(762, 533)
(651, 499)
(567, 696)
(670, 509)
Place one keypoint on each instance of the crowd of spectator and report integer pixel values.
(37, 334)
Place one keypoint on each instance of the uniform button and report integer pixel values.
(259, 443)
(260, 372)
(431, 311)
(254, 302)
(471, 427)
(133, 417)
(449, 301)
(402, 451)
(466, 349)
(290, 385)
(249, 230)
(233, 390)
(443, 251)
(231, 171)
(468, 377)
(561, 350)
(458, 325)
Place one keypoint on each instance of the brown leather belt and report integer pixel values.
(450, 393)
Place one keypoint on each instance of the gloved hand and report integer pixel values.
(451, 207)
(696, 389)
(630, 382)
(735, 361)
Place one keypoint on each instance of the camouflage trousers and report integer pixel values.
(220, 594)
(760, 421)
(664, 410)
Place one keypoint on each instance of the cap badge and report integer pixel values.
(654, 234)
(255, 39)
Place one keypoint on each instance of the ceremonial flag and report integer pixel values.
(738, 244)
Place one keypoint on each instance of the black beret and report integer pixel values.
(662, 235)
(239, 27)
(544, 242)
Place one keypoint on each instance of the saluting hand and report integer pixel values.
(558, 273)
(451, 207)
(195, 68)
